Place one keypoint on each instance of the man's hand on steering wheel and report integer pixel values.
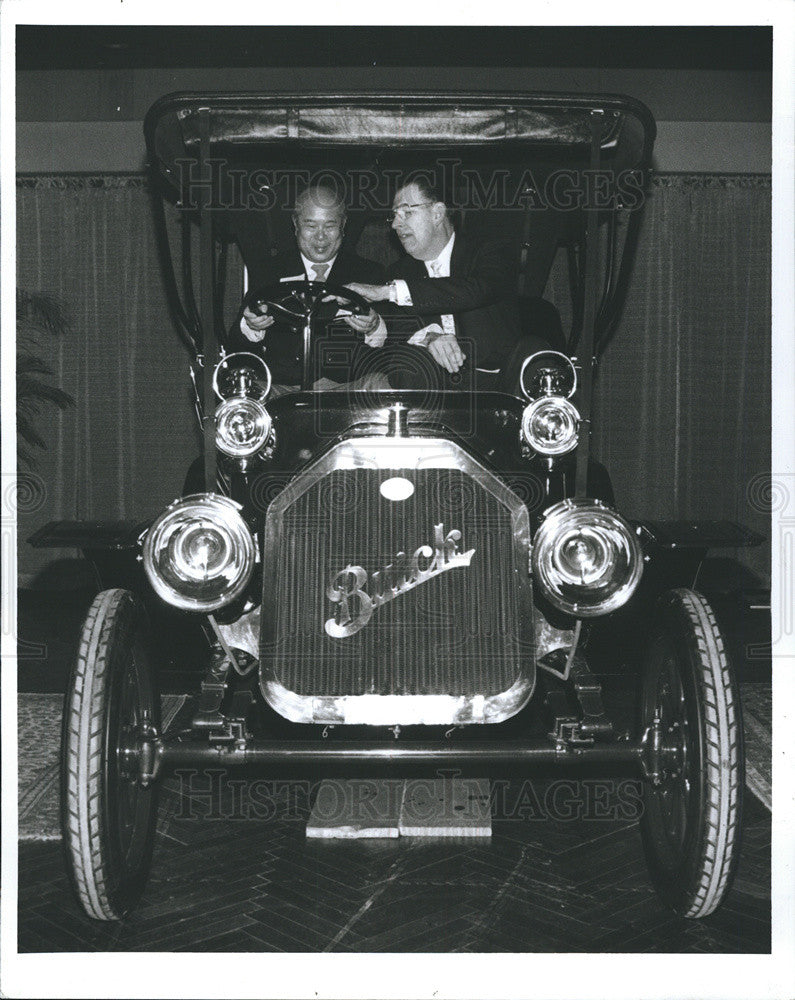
(253, 324)
(371, 325)
(372, 293)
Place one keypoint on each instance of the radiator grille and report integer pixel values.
(457, 633)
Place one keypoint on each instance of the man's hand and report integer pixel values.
(371, 325)
(446, 352)
(254, 324)
(373, 293)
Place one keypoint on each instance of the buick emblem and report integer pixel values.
(357, 594)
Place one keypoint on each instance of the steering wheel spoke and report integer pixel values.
(299, 302)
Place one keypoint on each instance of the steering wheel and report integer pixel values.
(299, 301)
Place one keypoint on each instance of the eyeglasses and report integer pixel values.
(404, 212)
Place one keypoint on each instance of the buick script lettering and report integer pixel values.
(355, 605)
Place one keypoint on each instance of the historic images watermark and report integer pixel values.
(24, 493)
(774, 495)
(225, 186)
(212, 794)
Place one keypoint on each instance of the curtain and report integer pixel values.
(123, 450)
(682, 404)
(682, 395)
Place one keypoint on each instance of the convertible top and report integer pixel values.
(242, 122)
(227, 159)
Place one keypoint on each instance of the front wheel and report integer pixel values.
(691, 819)
(107, 815)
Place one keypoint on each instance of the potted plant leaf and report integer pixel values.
(39, 319)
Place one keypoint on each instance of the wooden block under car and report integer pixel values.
(446, 807)
(356, 809)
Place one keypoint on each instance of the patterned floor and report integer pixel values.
(757, 703)
(540, 884)
(563, 871)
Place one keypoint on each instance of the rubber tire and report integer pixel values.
(107, 870)
(693, 876)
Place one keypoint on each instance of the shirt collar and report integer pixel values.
(443, 260)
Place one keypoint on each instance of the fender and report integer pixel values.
(111, 547)
(88, 535)
(698, 535)
(675, 551)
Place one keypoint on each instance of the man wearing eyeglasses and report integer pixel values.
(463, 287)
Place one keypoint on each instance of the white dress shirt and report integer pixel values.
(437, 268)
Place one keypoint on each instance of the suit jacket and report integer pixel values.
(479, 293)
(282, 345)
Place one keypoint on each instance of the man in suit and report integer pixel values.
(463, 288)
(319, 254)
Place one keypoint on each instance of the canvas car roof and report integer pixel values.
(242, 123)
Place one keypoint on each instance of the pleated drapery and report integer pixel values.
(682, 396)
(123, 450)
(683, 391)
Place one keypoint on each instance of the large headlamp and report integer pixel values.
(586, 559)
(242, 427)
(199, 554)
(550, 426)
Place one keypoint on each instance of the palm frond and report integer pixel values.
(29, 364)
(32, 388)
(41, 312)
(26, 431)
(38, 317)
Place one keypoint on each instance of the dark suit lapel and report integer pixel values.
(459, 265)
(293, 265)
(459, 258)
(340, 272)
(415, 268)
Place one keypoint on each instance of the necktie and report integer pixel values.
(321, 270)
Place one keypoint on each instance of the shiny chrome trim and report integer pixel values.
(557, 354)
(398, 709)
(560, 448)
(606, 594)
(261, 417)
(405, 454)
(250, 359)
(409, 574)
(239, 536)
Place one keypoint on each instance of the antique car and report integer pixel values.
(398, 581)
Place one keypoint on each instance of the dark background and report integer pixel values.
(108, 47)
